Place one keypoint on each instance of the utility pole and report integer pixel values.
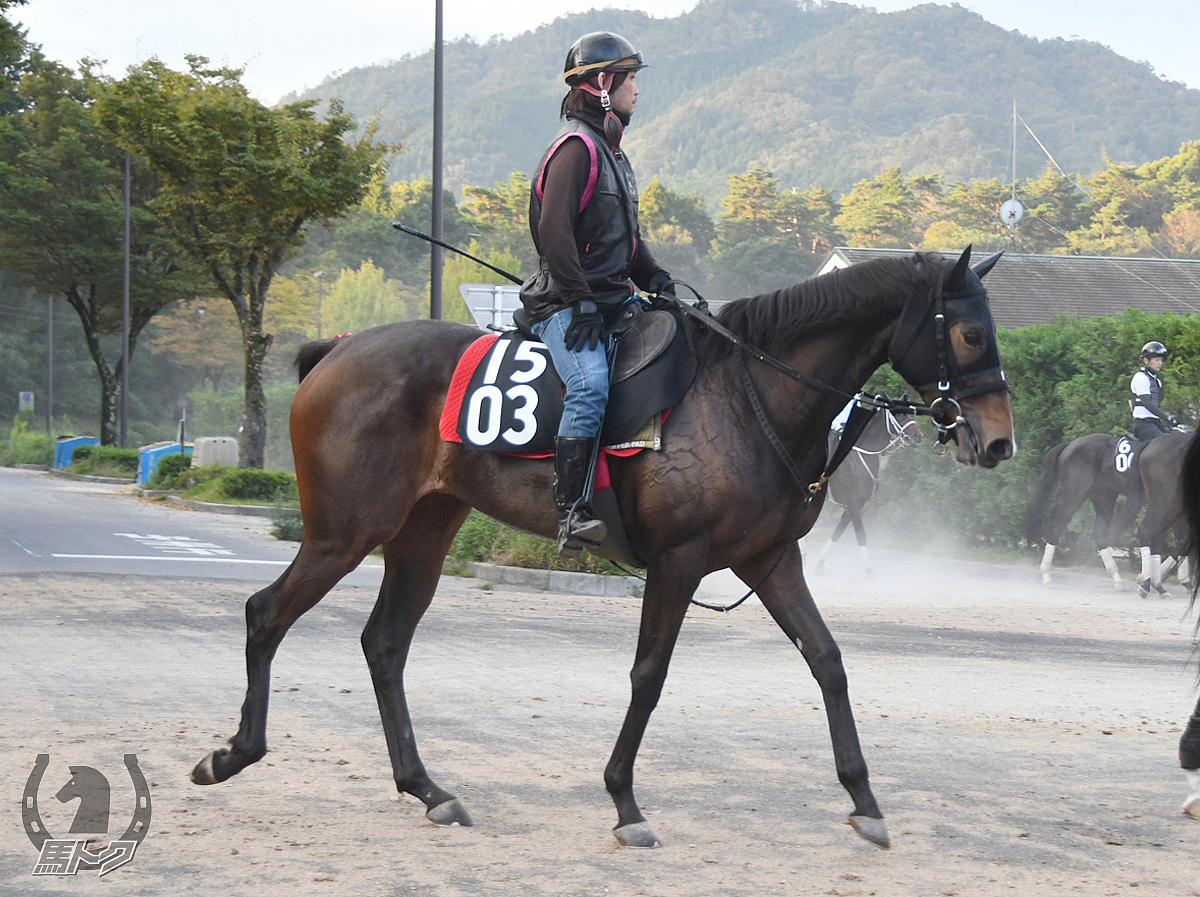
(435, 256)
(125, 319)
(49, 362)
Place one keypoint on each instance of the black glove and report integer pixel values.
(660, 284)
(586, 328)
(1172, 421)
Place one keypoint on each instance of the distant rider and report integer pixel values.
(1149, 419)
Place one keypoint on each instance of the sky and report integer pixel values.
(291, 45)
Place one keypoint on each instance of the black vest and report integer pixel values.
(606, 233)
(1156, 386)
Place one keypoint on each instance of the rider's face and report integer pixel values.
(1154, 362)
(624, 98)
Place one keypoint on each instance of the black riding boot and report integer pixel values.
(579, 526)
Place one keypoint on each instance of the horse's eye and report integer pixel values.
(974, 339)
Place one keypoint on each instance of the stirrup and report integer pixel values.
(575, 533)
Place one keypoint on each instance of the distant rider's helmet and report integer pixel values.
(600, 51)
(1154, 349)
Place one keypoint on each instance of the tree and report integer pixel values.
(882, 212)
(677, 228)
(239, 182)
(15, 54)
(62, 219)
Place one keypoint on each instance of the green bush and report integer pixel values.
(104, 461)
(25, 446)
(176, 472)
(260, 485)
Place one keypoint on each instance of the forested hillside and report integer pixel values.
(820, 94)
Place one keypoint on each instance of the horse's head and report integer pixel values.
(945, 345)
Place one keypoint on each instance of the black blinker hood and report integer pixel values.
(921, 350)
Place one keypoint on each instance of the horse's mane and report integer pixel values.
(773, 321)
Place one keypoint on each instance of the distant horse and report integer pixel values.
(732, 488)
(1189, 497)
(856, 481)
(1090, 468)
(1161, 465)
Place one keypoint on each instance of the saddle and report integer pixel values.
(1127, 454)
(506, 397)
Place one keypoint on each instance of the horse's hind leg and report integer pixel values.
(413, 565)
(787, 598)
(269, 614)
(1105, 534)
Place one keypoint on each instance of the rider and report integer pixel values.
(583, 215)
(1149, 419)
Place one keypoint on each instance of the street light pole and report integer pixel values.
(320, 278)
(435, 256)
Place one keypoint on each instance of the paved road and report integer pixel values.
(53, 525)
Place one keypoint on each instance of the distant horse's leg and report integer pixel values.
(670, 583)
(837, 534)
(786, 596)
(1104, 534)
(412, 566)
(1189, 759)
(860, 533)
(269, 614)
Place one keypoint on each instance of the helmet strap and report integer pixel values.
(613, 128)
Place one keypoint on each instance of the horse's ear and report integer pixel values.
(957, 278)
(987, 265)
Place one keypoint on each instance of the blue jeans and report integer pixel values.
(583, 373)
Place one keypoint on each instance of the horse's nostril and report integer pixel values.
(1000, 449)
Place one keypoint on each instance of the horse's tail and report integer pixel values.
(310, 354)
(1035, 511)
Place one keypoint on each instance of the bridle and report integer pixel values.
(921, 319)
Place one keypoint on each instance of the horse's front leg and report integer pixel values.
(670, 583)
(1189, 759)
(786, 596)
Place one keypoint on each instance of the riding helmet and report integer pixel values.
(600, 51)
(1154, 349)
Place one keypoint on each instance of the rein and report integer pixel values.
(933, 411)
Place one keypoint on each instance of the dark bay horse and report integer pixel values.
(856, 481)
(1162, 463)
(1189, 498)
(372, 470)
(1088, 469)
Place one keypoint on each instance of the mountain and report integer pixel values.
(820, 93)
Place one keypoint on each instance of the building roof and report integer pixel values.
(1032, 289)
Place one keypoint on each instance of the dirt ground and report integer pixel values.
(1022, 740)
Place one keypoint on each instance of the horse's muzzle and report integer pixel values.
(999, 450)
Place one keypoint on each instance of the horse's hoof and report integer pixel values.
(204, 774)
(874, 830)
(450, 812)
(636, 834)
(1143, 589)
(1191, 806)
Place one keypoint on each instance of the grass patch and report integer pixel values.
(104, 461)
(487, 541)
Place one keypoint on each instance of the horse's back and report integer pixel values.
(374, 391)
